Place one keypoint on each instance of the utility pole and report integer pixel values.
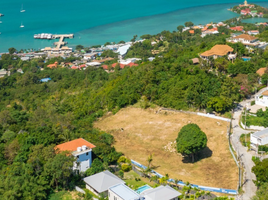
(245, 117)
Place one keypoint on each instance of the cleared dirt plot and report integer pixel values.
(138, 133)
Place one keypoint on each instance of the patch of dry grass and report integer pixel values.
(138, 133)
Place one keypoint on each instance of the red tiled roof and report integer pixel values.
(74, 67)
(261, 71)
(237, 28)
(132, 64)
(122, 66)
(81, 66)
(72, 145)
(105, 67)
(53, 65)
(191, 31)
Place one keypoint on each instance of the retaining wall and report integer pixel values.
(205, 188)
(258, 128)
(197, 113)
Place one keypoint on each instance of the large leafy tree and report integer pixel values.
(261, 172)
(191, 140)
(262, 193)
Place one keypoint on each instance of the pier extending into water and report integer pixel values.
(61, 42)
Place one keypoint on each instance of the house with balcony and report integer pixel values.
(218, 51)
(245, 39)
(81, 150)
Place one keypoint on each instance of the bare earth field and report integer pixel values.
(145, 132)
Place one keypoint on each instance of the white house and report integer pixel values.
(122, 192)
(123, 50)
(81, 149)
(3, 72)
(262, 99)
(161, 193)
(247, 40)
(259, 138)
(253, 32)
(100, 183)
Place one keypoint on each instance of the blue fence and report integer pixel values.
(205, 188)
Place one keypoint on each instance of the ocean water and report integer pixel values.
(97, 22)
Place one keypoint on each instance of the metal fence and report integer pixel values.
(205, 188)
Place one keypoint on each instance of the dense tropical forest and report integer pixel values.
(36, 116)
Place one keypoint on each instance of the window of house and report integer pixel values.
(77, 156)
(109, 194)
(87, 153)
(115, 198)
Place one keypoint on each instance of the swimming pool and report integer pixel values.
(246, 58)
(143, 188)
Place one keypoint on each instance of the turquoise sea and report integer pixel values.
(97, 22)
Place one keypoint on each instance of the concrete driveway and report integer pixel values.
(245, 157)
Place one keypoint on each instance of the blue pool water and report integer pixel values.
(246, 59)
(97, 22)
(143, 188)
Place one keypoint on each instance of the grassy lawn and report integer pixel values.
(253, 120)
(129, 178)
(139, 133)
(63, 195)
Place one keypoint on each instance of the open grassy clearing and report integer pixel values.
(139, 133)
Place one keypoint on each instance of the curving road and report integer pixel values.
(245, 157)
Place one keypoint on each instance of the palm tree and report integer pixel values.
(154, 178)
(166, 178)
(65, 135)
(176, 182)
(149, 160)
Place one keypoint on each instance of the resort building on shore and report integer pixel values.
(81, 150)
(218, 51)
(62, 50)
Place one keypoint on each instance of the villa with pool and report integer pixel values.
(108, 184)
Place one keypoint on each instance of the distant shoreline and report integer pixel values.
(121, 30)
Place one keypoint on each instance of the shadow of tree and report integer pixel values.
(205, 153)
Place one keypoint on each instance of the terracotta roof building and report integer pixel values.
(217, 51)
(245, 39)
(53, 65)
(237, 28)
(261, 71)
(122, 66)
(81, 149)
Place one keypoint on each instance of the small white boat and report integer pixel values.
(21, 26)
(22, 10)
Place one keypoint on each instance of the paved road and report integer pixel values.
(245, 156)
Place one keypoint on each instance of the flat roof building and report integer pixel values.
(162, 193)
(122, 192)
(259, 137)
